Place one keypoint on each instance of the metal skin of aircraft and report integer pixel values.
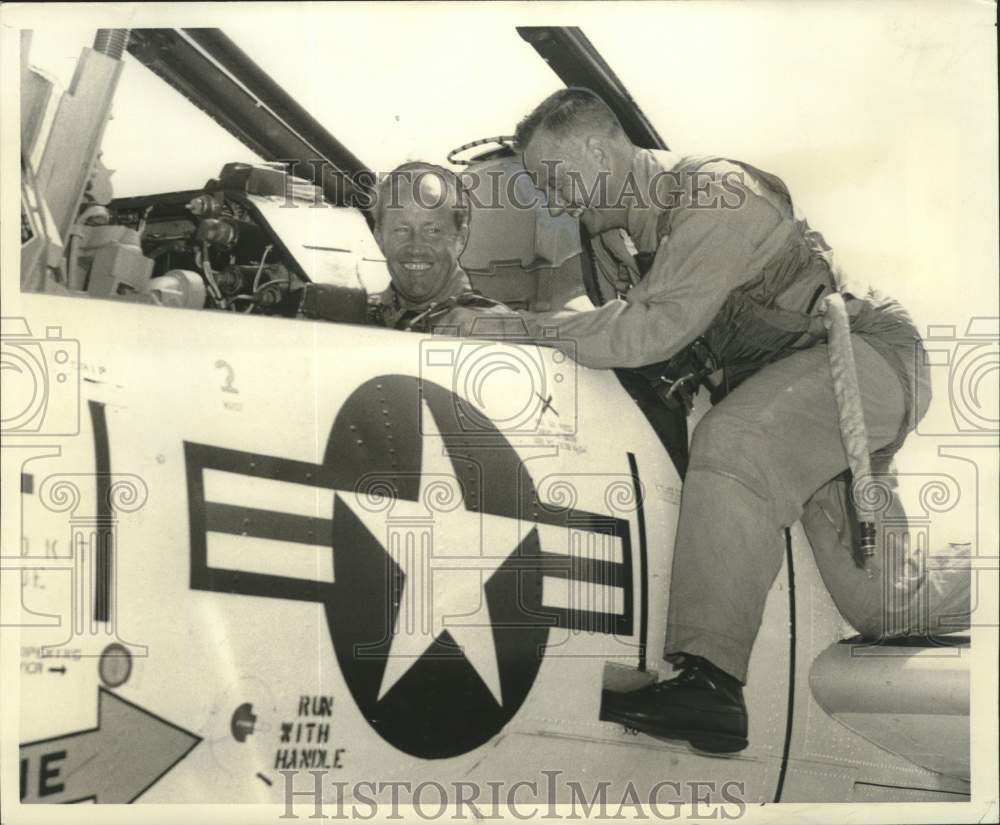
(323, 546)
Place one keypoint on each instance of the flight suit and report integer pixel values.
(455, 313)
(743, 274)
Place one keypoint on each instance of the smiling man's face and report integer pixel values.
(420, 240)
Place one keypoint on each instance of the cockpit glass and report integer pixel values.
(406, 85)
(156, 141)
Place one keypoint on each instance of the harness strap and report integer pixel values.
(425, 319)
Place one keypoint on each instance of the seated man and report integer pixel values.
(422, 227)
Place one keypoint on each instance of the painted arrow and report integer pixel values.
(117, 761)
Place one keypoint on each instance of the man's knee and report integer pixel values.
(730, 444)
(717, 431)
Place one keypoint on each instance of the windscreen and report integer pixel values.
(410, 85)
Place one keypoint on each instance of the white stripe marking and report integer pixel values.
(242, 490)
(249, 554)
(573, 594)
(580, 543)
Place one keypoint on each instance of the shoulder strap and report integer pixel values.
(476, 299)
(424, 321)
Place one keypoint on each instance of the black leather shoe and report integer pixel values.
(702, 704)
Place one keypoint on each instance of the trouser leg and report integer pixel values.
(755, 459)
(905, 589)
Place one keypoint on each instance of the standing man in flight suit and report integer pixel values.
(733, 267)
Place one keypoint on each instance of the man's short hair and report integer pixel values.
(407, 177)
(566, 111)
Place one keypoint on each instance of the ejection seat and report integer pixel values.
(517, 252)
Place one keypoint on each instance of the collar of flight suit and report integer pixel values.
(648, 168)
(640, 235)
(457, 283)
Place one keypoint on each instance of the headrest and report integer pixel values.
(510, 223)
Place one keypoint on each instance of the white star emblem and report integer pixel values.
(447, 553)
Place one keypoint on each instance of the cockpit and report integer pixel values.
(289, 233)
(280, 238)
(258, 240)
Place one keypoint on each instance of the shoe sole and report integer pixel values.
(700, 740)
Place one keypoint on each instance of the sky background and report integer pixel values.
(880, 116)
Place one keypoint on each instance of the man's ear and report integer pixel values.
(462, 239)
(597, 148)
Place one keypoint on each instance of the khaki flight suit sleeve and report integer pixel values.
(707, 254)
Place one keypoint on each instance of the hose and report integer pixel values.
(111, 42)
(502, 140)
(853, 432)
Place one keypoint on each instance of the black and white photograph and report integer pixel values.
(479, 411)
